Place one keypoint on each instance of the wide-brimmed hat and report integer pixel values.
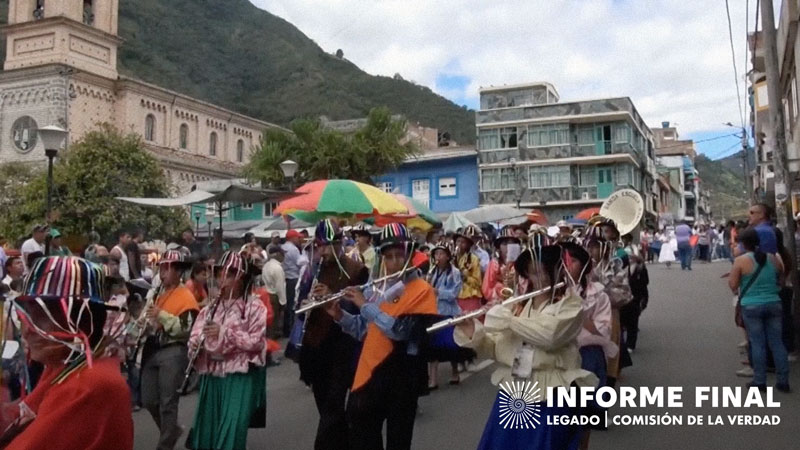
(175, 258)
(445, 246)
(327, 232)
(506, 234)
(563, 224)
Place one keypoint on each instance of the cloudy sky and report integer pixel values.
(672, 57)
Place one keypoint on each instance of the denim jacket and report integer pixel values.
(447, 284)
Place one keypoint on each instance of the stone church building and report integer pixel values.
(61, 69)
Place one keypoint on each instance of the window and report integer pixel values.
(548, 176)
(544, 135)
(587, 176)
(386, 186)
(38, 12)
(586, 135)
(150, 128)
(421, 191)
(212, 144)
(623, 175)
(447, 187)
(268, 208)
(497, 179)
(621, 134)
(183, 136)
(247, 206)
(497, 138)
(211, 209)
(88, 12)
(240, 150)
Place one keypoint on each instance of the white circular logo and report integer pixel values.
(519, 404)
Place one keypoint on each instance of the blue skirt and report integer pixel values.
(543, 436)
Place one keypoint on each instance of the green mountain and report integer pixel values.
(246, 59)
(726, 186)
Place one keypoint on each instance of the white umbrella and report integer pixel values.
(454, 222)
(492, 213)
(265, 229)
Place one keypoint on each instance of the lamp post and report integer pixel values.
(517, 185)
(289, 169)
(209, 230)
(196, 222)
(53, 139)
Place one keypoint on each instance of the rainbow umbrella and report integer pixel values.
(587, 213)
(418, 216)
(344, 198)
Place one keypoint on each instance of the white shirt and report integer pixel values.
(291, 260)
(28, 247)
(275, 279)
(124, 270)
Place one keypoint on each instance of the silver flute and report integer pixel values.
(334, 297)
(453, 321)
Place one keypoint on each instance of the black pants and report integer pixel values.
(288, 310)
(786, 295)
(629, 320)
(330, 392)
(390, 396)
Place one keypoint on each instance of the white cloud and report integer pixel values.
(672, 57)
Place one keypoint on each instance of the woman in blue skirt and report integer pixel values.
(535, 343)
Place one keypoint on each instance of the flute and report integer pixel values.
(334, 297)
(453, 321)
(187, 374)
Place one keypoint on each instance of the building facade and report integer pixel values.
(61, 69)
(445, 179)
(561, 157)
(675, 157)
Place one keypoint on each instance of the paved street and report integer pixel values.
(687, 339)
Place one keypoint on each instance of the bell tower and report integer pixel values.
(78, 33)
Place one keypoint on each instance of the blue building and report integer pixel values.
(444, 178)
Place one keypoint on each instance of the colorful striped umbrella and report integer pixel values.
(418, 216)
(587, 213)
(344, 198)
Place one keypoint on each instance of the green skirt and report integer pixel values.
(225, 409)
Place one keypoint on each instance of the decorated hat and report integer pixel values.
(236, 262)
(563, 224)
(327, 232)
(443, 244)
(394, 234)
(471, 233)
(175, 258)
(535, 254)
(55, 278)
(506, 234)
(361, 229)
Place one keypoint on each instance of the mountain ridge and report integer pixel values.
(246, 59)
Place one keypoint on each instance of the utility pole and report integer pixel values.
(783, 179)
(748, 182)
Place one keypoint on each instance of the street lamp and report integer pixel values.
(197, 222)
(289, 169)
(53, 139)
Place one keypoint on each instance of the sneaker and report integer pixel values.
(792, 357)
(783, 387)
(742, 344)
(745, 372)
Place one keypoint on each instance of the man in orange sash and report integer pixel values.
(391, 370)
(164, 358)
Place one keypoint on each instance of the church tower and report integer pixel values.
(78, 33)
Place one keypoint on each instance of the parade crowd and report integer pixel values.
(112, 331)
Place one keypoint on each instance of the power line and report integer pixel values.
(698, 142)
(733, 58)
(718, 155)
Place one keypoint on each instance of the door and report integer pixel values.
(421, 191)
(602, 139)
(605, 181)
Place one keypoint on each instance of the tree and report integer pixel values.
(102, 165)
(324, 153)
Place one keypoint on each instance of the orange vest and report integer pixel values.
(418, 298)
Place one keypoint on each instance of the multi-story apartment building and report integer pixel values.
(676, 156)
(561, 157)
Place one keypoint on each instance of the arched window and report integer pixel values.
(240, 150)
(150, 128)
(183, 136)
(212, 144)
(88, 12)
